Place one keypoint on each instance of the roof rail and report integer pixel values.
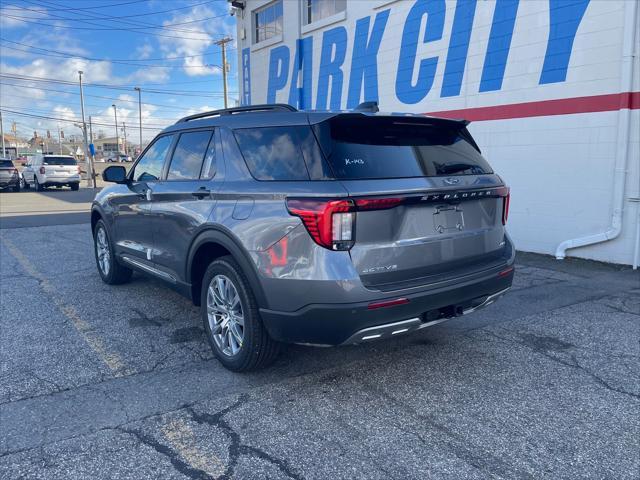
(267, 107)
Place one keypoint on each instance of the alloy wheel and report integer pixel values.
(225, 315)
(102, 251)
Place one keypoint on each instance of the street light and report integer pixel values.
(139, 113)
(115, 115)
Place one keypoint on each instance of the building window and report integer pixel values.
(267, 22)
(315, 10)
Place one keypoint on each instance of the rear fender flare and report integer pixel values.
(226, 239)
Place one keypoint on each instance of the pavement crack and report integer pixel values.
(178, 464)
(236, 447)
(474, 455)
(539, 347)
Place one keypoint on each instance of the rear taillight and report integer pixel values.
(42, 170)
(505, 206)
(378, 203)
(329, 222)
(332, 223)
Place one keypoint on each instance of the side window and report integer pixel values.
(209, 167)
(150, 165)
(273, 153)
(189, 154)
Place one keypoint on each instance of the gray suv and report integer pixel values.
(322, 228)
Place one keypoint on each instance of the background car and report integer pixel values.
(9, 177)
(51, 170)
(120, 157)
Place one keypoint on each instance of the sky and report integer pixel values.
(165, 47)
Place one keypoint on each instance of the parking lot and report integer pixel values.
(109, 382)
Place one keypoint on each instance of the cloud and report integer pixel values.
(197, 41)
(12, 16)
(143, 52)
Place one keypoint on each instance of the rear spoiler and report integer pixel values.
(368, 111)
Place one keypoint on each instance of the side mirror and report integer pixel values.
(115, 174)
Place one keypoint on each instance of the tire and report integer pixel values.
(16, 188)
(111, 272)
(257, 349)
(23, 184)
(37, 185)
(74, 186)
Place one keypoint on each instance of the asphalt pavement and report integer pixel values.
(107, 382)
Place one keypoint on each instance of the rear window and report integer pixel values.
(59, 161)
(6, 164)
(282, 153)
(374, 147)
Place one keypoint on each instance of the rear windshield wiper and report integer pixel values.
(456, 168)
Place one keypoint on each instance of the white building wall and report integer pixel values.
(560, 166)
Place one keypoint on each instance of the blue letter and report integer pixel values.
(458, 48)
(278, 71)
(564, 19)
(301, 97)
(495, 61)
(405, 90)
(331, 68)
(365, 57)
(246, 76)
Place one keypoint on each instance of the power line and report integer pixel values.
(115, 60)
(137, 65)
(189, 93)
(122, 19)
(127, 16)
(75, 27)
(59, 119)
(167, 26)
(102, 26)
(96, 115)
(94, 96)
(86, 8)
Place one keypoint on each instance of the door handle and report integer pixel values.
(146, 194)
(201, 193)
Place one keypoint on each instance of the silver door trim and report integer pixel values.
(149, 269)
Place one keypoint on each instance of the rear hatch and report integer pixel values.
(7, 170)
(60, 166)
(428, 205)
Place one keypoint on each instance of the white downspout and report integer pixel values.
(636, 250)
(622, 147)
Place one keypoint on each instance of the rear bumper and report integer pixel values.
(9, 182)
(51, 180)
(336, 324)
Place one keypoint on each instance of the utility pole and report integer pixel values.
(140, 113)
(115, 115)
(124, 129)
(90, 130)
(14, 130)
(59, 141)
(91, 178)
(223, 44)
(4, 151)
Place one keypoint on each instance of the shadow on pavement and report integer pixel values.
(24, 221)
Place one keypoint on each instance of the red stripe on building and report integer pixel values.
(544, 108)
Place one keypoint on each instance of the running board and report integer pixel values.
(389, 330)
(148, 269)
